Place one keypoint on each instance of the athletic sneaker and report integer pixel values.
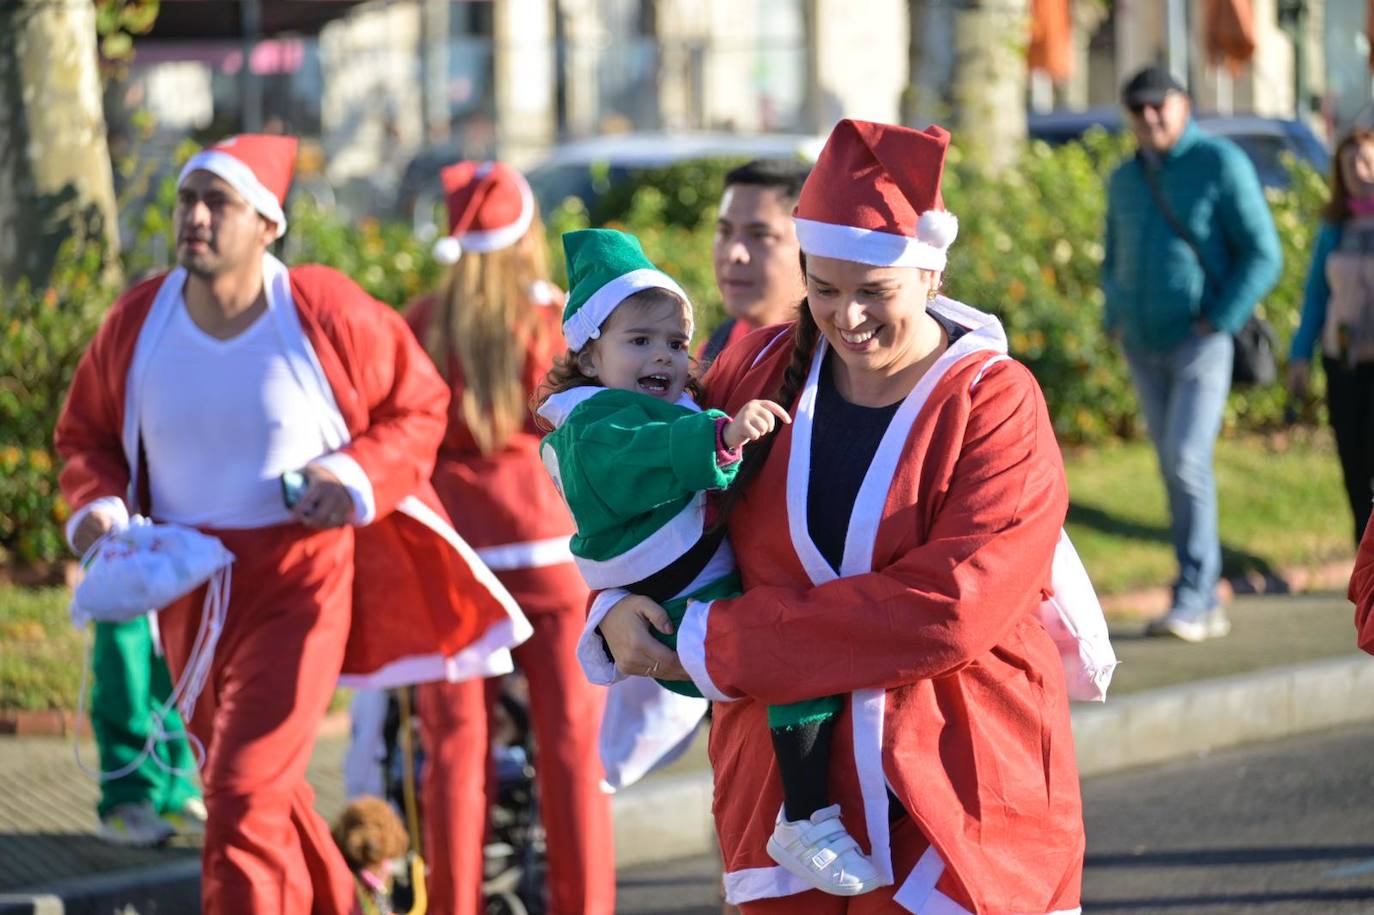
(822, 853)
(1192, 625)
(135, 825)
(190, 819)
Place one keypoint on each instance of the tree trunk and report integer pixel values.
(968, 73)
(55, 176)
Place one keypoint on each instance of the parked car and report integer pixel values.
(1264, 140)
(586, 169)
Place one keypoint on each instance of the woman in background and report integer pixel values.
(492, 328)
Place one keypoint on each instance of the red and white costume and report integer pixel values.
(1361, 591)
(395, 598)
(505, 505)
(931, 625)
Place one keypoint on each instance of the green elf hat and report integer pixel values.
(605, 267)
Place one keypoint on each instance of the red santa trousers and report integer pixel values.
(266, 849)
(566, 715)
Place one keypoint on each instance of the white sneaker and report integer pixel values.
(1194, 626)
(822, 853)
(136, 826)
(190, 819)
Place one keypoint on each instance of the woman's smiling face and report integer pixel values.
(874, 317)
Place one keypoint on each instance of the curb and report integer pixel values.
(1138, 729)
(670, 817)
(173, 887)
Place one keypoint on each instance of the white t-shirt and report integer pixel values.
(222, 420)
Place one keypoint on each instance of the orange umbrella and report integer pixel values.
(1229, 33)
(1051, 48)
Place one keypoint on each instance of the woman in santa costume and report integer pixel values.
(895, 542)
(201, 390)
(493, 328)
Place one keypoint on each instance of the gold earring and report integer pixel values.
(932, 293)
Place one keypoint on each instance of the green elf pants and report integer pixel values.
(792, 715)
(131, 681)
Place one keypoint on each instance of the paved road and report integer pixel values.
(1285, 828)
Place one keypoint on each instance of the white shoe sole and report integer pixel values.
(812, 879)
(128, 840)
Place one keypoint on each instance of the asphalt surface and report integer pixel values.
(1285, 828)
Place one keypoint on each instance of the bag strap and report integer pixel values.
(1152, 180)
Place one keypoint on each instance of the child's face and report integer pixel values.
(642, 348)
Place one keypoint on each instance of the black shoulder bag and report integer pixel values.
(1254, 363)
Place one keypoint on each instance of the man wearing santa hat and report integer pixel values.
(895, 542)
(296, 419)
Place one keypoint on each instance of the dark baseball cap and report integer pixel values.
(1149, 87)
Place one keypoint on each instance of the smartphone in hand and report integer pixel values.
(293, 486)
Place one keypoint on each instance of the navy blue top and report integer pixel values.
(840, 460)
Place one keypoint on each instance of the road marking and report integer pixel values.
(1353, 870)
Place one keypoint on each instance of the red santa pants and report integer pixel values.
(266, 849)
(566, 715)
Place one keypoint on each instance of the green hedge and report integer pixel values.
(1029, 250)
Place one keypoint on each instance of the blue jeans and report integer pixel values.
(1183, 395)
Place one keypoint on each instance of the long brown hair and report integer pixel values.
(1337, 209)
(485, 320)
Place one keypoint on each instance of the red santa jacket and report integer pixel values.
(1361, 591)
(956, 692)
(504, 503)
(424, 606)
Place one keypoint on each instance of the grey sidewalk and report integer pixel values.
(1289, 666)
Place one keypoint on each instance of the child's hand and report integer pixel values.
(752, 422)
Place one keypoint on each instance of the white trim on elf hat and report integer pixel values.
(606, 267)
(258, 166)
(874, 197)
(490, 207)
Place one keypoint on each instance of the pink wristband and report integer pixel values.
(724, 455)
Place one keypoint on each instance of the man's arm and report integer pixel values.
(1248, 231)
(95, 472)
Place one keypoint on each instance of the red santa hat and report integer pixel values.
(874, 197)
(257, 165)
(490, 207)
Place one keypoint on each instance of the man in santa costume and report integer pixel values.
(203, 395)
(895, 543)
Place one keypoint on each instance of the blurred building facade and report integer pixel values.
(384, 80)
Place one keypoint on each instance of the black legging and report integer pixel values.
(1350, 404)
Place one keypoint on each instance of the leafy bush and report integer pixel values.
(1029, 250)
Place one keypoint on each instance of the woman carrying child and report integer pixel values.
(894, 543)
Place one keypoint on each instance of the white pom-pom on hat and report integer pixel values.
(447, 250)
(938, 228)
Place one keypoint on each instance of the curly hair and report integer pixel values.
(368, 832)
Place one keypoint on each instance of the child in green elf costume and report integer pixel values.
(634, 457)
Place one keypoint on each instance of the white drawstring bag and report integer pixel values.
(1073, 616)
(644, 727)
(138, 569)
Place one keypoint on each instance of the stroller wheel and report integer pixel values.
(505, 904)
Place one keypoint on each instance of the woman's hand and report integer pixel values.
(625, 627)
(752, 422)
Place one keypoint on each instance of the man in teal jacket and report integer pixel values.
(1174, 310)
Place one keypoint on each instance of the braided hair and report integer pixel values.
(805, 336)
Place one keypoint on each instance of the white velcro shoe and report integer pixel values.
(822, 853)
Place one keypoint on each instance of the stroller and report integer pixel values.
(514, 855)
